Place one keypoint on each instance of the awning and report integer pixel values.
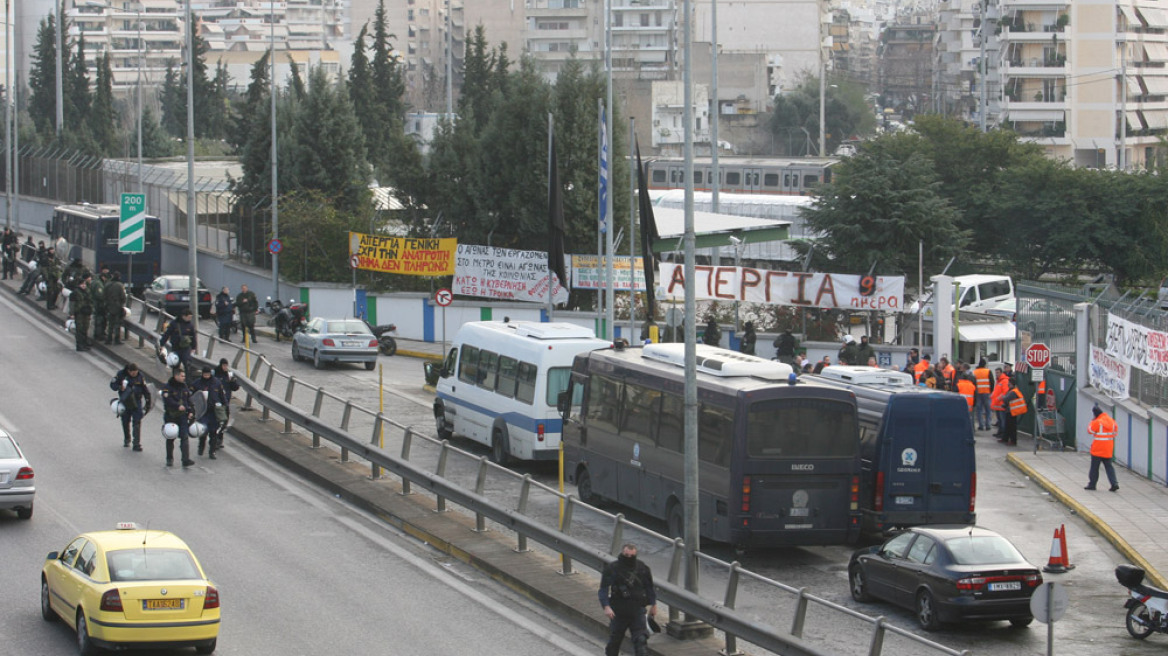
(1156, 52)
(1043, 115)
(1154, 16)
(1157, 119)
(1157, 86)
(1000, 331)
(1130, 15)
(1134, 122)
(1133, 86)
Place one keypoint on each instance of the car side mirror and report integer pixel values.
(53, 555)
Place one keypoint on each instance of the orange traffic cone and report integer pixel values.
(1059, 562)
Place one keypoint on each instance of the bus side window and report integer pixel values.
(715, 434)
(603, 403)
(468, 366)
(448, 365)
(525, 387)
(488, 368)
(507, 376)
(640, 407)
(670, 431)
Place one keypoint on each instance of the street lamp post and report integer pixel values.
(60, 68)
(275, 162)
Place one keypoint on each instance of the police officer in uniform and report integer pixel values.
(97, 293)
(216, 399)
(224, 313)
(626, 588)
(181, 336)
(82, 310)
(134, 396)
(52, 278)
(227, 379)
(176, 400)
(115, 303)
(712, 336)
(247, 304)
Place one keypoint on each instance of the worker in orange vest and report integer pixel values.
(921, 367)
(947, 373)
(998, 401)
(1103, 430)
(985, 387)
(1015, 407)
(967, 388)
(1040, 396)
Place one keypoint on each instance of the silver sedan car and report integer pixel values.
(336, 340)
(16, 478)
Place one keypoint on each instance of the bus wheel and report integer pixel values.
(676, 520)
(500, 447)
(584, 488)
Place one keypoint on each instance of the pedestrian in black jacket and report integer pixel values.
(176, 400)
(626, 588)
(134, 396)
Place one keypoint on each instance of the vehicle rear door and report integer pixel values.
(950, 460)
(905, 454)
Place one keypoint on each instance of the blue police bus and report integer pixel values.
(92, 233)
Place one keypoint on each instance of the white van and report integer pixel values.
(978, 292)
(500, 383)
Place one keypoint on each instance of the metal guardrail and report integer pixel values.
(554, 534)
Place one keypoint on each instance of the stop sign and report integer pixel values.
(1038, 355)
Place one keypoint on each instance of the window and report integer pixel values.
(151, 564)
(733, 178)
(896, 547)
(85, 562)
(488, 369)
(810, 181)
(640, 411)
(922, 550)
(507, 376)
(803, 428)
(644, 20)
(994, 289)
(715, 434)
(448, 365)
(982, 550)
(468, 366)
(670, 430)
(603, 404)
(770, 180)
(525, 386)
(557, 381)
(70, 553)
(658, 176)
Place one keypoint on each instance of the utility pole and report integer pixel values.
(981, 66)
(1122, 159)
(822, 85)
(717, 187)
(275, 163)
(8, 87)
(60, 68)
(610, 294)
(192, 217)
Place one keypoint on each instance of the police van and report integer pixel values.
(500, 383)
(917, 462)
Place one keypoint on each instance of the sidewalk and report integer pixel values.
(1134, 519)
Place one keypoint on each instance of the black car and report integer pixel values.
(172, 294)
(947, 573)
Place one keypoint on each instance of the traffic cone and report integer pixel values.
(1060, 562)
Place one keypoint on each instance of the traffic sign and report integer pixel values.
(1038, 355)
(354, 261)
(1049, 602)
(132, 224)
(275, 246)
(444, 297)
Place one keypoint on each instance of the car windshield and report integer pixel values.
(983, 550)
(151, 565)
(347, 328)
(8, 448)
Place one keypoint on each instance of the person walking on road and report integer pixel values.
(247, 304)
(982, 376)
(181, 336)
(176, 399)
(82, 306)
(224, 313)
(134, 396)
(115, 308)
(1103, 430)
(626, 588)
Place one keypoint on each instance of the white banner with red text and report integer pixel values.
(1137, 346)
(1109, 375)
(820, 290)
(505, 274)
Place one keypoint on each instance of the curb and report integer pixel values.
(422, 355)
(1091, 518)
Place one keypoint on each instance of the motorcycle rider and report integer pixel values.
(216, 400)
(224, 313)
(134, 396)
(181, 336)
(176, 399)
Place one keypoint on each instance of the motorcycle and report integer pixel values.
(1147, 609)
(386, 343)
(271, 307)
(290, 319)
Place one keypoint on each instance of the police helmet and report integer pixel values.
(70, 326)
(32, 266)
(128, 312)
(162, 352)
(197, 429)
(172, 359)
(66, 292)
(170, 430)
(42, 287)
(117, 407)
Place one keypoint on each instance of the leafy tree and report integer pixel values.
(361, 84)
(315, 233)
(76, 88)
(155, 141)
(255, 101)
(475, 96)
(795, 120)
(878, 209)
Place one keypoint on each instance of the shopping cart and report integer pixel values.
(1049, 431)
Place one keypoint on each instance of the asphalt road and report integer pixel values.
(299, 571)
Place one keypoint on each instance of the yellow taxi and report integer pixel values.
(131, 588)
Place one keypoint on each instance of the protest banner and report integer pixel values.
(505, 274)
(821, 290)
(1137, 346)
(588, 272)
(405, 255)
(1109, 375)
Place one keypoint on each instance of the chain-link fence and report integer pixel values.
(1142, 309)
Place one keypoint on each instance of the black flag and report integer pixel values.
(649, 236)
(555, 218)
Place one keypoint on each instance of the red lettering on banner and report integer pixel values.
(827, 287)
(709, 277)
(678, 278)
(720, 281)
(768, 287)
(801, 299)
(755, 279)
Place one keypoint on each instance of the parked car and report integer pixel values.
(947, 573)
(336, 340)
(1036, 312)
(16, 478)
(131, 588)
(172, 294)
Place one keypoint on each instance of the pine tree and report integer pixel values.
(361, 84)
(76, 88)
(329, 151)
(102, 117)
(42, 79)
(174, 103)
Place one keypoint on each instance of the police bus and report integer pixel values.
(779, 456)
(500, 383)
(92, 231)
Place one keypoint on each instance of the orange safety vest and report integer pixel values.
(1017, 403)
(1042, 387)
(984, 384)
(1104, 430)
(918, 369)
(997, 400)
(967, 389)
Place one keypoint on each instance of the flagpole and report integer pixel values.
(551, 300)
(632, 238)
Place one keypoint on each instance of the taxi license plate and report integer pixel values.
(163, 604)
(1005, 585)
(904, 501)
(800, 512)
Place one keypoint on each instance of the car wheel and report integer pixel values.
(1021, 622)
(927, 611)
(859, 583)
(584, 488)
(85, 646)
(206, 648)
(370, 366)
(47, 612)
(295, 352)
(500, 447)
(675, 520)
(1139, 622)
(316, 361)
(24, 513)
(444, 431)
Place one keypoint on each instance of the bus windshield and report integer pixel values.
(801, 428)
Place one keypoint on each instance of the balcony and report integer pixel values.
(1035, 67)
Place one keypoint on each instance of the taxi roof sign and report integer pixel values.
(128, 526)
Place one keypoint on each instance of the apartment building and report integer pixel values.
(906, 65)
(958, 85)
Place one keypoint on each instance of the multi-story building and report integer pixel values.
(906, 65)
(958, 60)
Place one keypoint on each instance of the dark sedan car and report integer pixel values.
(172, 294)
(947, 574)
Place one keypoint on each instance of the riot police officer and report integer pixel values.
(134, 396)
(52, 280)
(82, 307)
(626, 588)
(216, 400)
(97, 293)
(181, 336)
(176, 399)
(227, 379)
